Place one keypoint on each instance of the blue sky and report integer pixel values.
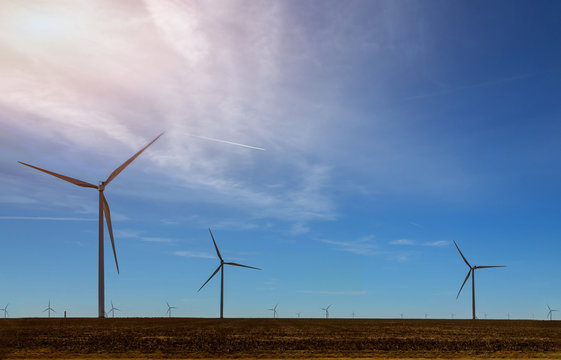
(391, 129)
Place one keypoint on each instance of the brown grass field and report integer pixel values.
(186, 338)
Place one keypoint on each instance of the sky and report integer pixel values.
(390, 129)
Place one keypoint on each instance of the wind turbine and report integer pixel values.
(5, 310)
(472, 273)
(298, 315)
(113, 309)
(221, 267)
(274, 310)
(169, 309)
(549, 314)
(49, 309)
(103, 209)
(326, 311)
(353, 314)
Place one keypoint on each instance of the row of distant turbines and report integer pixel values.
(168, 312)
(105, 212)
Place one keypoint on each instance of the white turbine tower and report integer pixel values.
(326, 311)
(274, 310)
(5, 310)
(169, 309)
(49, 309)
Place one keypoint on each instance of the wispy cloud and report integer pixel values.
(45, 218)
(402, 242)
(156, 239)
(472, 86)
(127, 233)
(362, 246)
(330, 292)
(439, 243)
(194, 254)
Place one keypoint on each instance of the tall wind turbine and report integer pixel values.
(113, 309)
(221, 267)
(49, 309)
(298, 313)
(169, 309)
(549, 314)
(5, 310)
(274, 310)
(472, 273)
(103, 209)
(326, 311)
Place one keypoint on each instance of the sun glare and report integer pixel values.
(39, 23)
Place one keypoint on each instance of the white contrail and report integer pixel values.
(227, 142)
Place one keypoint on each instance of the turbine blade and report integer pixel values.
(463, 257)
(486, 267)
(214, 273)
(63, 177)
(235, 264)
(467, 277)
(216, 247)
(118, 170)
(108, 220)
(167, 303)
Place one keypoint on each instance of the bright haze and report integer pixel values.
(390, 129)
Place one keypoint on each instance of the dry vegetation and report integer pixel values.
(277, 338)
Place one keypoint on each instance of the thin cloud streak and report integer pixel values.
(45, 218)
(460, 88)
(194, 254)
(156, 239)
(363, 246)
(439, 243)
(329, 292)
(402, 242)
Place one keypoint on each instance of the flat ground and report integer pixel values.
(184, 338)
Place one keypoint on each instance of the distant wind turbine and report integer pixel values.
(103, 209)
(113, 309)
(49, 309)
(221, 267)
(326, 311)
(472, 273)
(169, 309)
(298, 315)
(353, 314)
(5, 310)
(426, 316)
(274, 310)
(550, 312)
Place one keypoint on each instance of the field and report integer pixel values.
(138, 338)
